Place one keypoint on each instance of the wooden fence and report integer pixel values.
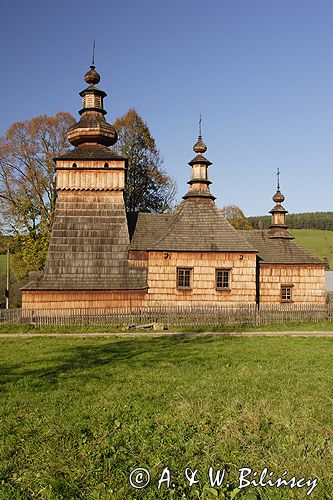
(173, 316)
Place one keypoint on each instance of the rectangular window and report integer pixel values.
(286, 293)
(222, 279)
(184, 278)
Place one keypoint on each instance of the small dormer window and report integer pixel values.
(106, 165)
(74, 165)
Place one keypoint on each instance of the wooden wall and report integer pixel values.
(162, 274)
(307, 280)
(81, 299)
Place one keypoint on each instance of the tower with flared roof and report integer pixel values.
(87, 264)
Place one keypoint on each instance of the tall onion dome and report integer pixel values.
(92, 128)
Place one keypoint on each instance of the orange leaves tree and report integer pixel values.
(148, 187)
(236, 217)
(27, 185)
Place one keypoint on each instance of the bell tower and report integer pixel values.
(89, 243)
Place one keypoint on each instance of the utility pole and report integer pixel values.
(7, 286)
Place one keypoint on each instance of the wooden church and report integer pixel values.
(100, 257)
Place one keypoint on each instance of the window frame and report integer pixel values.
(223, 288)
(185, 287)
(285, 287)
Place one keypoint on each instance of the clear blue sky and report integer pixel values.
(259, 71)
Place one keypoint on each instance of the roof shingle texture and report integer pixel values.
(90, 152)
(198, 226)
(278, 251)
(89, 247)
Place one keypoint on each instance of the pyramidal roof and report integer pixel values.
(198, 225)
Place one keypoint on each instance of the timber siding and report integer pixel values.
(162, 278)
(307, 283)
(90, 300)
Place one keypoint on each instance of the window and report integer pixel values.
(222, 279)
(184, 278)
(286, 293)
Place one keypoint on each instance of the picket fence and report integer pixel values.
(173, 316)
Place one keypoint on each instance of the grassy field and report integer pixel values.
(79, 414)
(317, 242)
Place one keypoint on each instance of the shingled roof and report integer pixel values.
(89, 247)
(278, 250)
(90, 152)
(198, 226)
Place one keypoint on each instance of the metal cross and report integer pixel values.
(93, 55)
(200, 125)
(278, 179)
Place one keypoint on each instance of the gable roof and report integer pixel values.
(198, 226)
(278, 250)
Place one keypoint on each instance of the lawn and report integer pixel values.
(316, 241)
(79, 414)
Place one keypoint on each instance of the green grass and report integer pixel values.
(78, 414)
(316, 241)
(304, 326)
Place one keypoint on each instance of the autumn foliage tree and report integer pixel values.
(27, 185)
(148, 187)
(236, 217)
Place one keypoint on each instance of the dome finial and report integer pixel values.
(200, 147)
(93, 55)
(278, 197)
(92, 77)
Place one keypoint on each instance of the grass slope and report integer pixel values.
(78, 415)
(316, 241)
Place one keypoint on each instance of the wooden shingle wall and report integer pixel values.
(307, 283)
(162, 275)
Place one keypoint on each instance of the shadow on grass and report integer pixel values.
(90, 354)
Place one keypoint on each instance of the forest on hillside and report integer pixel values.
(307, 220)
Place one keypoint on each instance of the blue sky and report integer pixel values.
(259, 71)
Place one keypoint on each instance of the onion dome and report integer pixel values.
(278, 227)
(92, 128)
(199, 146)
(92, 77)
(278, 197)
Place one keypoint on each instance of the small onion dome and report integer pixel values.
(200, 146)
(92, 77)
(278, 197)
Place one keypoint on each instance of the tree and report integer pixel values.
(27, 185)
(148, 187)
(236, 217)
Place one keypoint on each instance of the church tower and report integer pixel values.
(87, 263)
(278, 227)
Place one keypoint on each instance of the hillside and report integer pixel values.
(316, 241)
(307, 220)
